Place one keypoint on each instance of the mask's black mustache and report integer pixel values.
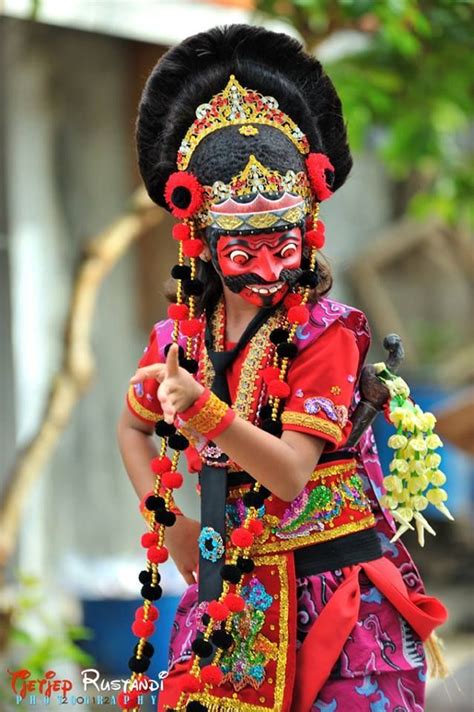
(237, 283)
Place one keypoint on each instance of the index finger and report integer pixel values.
(155, 370)
(172, 361)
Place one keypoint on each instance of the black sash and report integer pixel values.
(213, 480)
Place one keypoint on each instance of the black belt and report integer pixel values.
(356, 548)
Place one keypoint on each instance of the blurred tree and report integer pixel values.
(406, 81)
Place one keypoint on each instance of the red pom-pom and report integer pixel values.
(191, 327)
(178, 312)
(317, 237)
(181, 231)
(212, 675)
(149, 539)
(270, 373)
(143, 629)
(160, 464)
(292, 300)
(317, 164)
(217, 610)
(153, 613)
(158, 554)
(279, 389)
(128, 700)
(184, 194)
(193, 248)
(255, 526)
(234, 602)
(298, 315)
(189, 683)
(173, 480)
(242, 537)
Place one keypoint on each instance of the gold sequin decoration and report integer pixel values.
(313, 422)
(219, 704)
(248, 130)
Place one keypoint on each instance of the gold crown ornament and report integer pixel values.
(237, 106)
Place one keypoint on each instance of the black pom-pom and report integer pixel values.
(205, 619)
(287, 350)
(178, 442)
(190, 365)
(308, 278)
(153, 503)
(272, 426)
(265, 411)
(196, 706)
(144, 576)
(162, 516)
(181, 197)
(151, 593)
(231, 573)
(245, 564)
(264, 491)
(181, 272)
(277, 336)
(193, 287)
(139, 664)
(164, 429)
(222, 639)
(147, 649)
(202, 647)
(181, 352)
(253, 499)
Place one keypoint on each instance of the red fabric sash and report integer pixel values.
(336, 621)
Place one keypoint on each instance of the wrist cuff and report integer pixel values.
(208, 415)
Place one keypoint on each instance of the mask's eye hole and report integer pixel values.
(289, 250)
(239, 257)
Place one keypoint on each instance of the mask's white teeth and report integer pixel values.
(266, 290)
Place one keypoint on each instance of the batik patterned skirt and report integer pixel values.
(382, 665)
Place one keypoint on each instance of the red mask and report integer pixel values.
(260, 267)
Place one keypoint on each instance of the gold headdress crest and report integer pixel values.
(237, 106)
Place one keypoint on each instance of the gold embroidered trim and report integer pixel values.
(231, 704)
(260, 348)
(313, 422)
(210, 415)
(282, 545)
(140, 409)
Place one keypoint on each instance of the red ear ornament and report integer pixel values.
(184, 194)
(317, 165)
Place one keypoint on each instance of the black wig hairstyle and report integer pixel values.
(271, 63)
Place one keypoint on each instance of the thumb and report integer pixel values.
(172, 361)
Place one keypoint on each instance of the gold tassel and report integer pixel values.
(437, 666)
